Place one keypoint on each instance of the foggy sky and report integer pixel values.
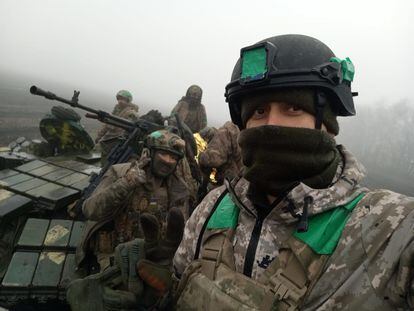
(156, 49)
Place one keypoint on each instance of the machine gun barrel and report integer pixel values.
(109, 122)
(102, 116)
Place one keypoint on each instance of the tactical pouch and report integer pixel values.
(229, 291)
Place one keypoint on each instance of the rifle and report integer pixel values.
(120, 153)
(190, 147)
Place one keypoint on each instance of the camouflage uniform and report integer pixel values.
(114, 208)
(129, 112)
(223, 153)
(192, 112)
(108, 136)
(371, 267)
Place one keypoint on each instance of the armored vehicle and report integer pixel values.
(39, 180)
(42, 186)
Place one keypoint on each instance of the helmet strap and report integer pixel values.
(320, 103)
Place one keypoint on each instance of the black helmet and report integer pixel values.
(291, 61)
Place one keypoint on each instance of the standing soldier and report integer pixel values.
(128, 190)
(222, 154)
(108, 136)
(298, 231)
(190, 109)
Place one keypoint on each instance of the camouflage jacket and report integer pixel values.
(223, 153)
(372, 265)
(107, 132)
(116, 205)
(193, 115)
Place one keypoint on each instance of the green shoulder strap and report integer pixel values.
(325, 229)
(226, 215)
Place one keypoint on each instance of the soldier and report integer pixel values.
(108, 136)
(222, 154)
(149, 185)
(297, 231)
(190, 109)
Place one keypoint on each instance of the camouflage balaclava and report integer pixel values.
(194, 94)
(164, 141)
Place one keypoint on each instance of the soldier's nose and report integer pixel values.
(274, 118)
(168, 158)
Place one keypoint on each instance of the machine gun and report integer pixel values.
(136, 130)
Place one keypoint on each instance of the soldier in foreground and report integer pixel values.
(222, 153)
(190, 109)
(149, 185)
(297, 231)
(108, 136)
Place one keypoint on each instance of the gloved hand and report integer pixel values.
(145, 264)
(135, 174)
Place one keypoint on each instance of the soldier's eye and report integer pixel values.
(260, 112)
(293, 109)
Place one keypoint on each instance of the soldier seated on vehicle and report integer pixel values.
(149, 185)
(108, 136)
(222, 155)
(190, 109)
(298, 231)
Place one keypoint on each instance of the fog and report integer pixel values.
(381, 137)
(156, 49)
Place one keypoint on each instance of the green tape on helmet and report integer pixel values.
(156, 134)
(254, 64)
(125, 94)
(347, 67)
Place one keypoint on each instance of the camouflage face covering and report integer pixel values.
(161, 168)
(278, 157)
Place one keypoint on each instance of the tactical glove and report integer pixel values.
(136, 174)
(150, 278)
(142, 274)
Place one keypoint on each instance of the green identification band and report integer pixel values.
(325, 229)
(226, 215)
(347, 67)
(254, 64)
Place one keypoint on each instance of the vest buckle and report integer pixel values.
(285, 290)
